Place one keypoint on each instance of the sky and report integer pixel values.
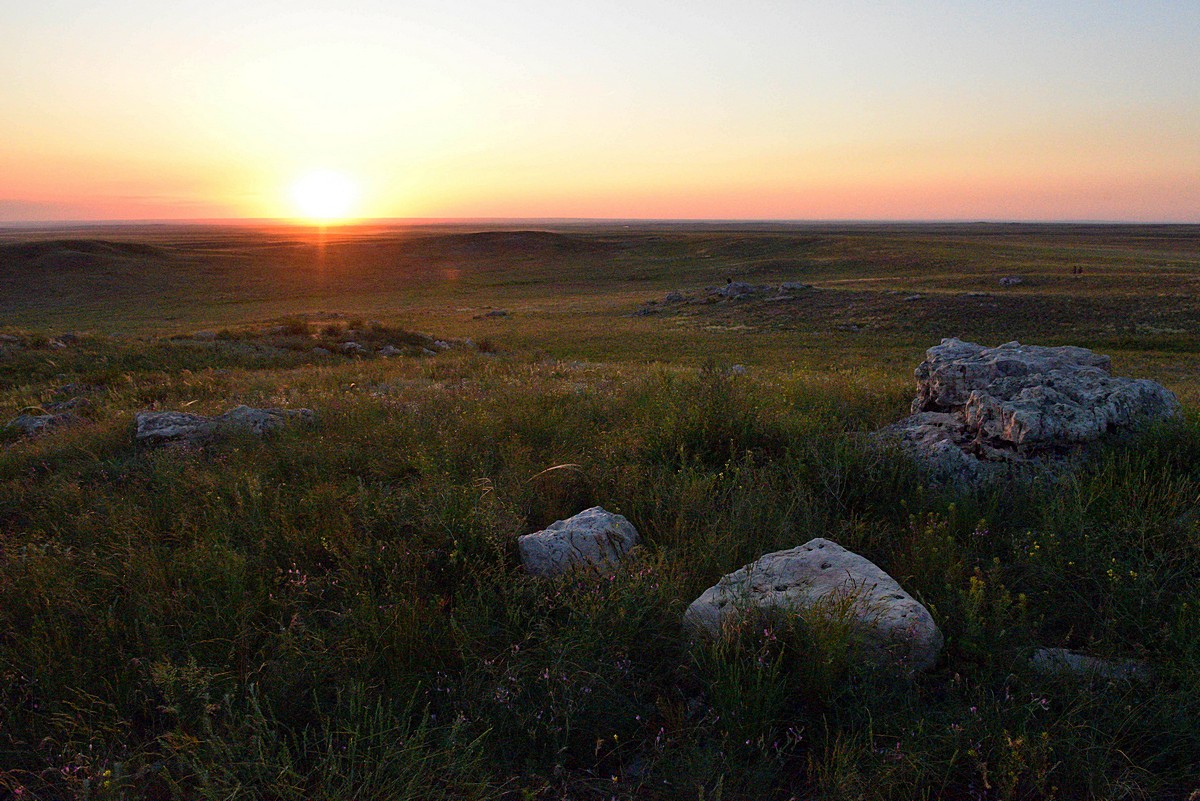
(755, 109)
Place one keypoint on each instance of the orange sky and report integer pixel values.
(854, 110)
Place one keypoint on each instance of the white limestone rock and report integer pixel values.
(594, 538)
(822, 577)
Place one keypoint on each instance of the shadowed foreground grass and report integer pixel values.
(339, 612)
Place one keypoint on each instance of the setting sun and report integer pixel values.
(324, 196)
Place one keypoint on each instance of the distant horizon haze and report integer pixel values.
(885, 111)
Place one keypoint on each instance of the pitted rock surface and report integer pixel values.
(823, 577)
(593, 538)
(980, 408)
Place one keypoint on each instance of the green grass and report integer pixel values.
(339, 612)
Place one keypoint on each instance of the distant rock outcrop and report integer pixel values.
(593, 538)
(821, 577)
(978, 408)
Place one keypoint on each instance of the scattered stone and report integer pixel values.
(737, 369)
(594, 538)
(674, 297)
(205, 336)
(321, 352)
(158, 428)
(911, 298)
(56, 344)
(793, 286)
(736, 290)
(352, 348)
(824, 578)
(1060, 661)
(390, 350)
(496, 313)
(442, 344)
(32, 425)
(1011, 280)
(1017, 404)
(428, 352)
(262, 421)
(69, 405)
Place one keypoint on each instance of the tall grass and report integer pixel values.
(339, 612)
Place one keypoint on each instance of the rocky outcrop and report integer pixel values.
(978, 409)
(821, 577)
(594, 538)
(160, 428)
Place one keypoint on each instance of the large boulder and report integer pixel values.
(1018, 404)
(822, 577)
(158, 428)
(594, 538)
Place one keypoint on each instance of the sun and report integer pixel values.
(324, 196)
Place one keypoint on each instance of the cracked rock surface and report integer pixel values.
(980, 408)
(593, 538)
(822, 577)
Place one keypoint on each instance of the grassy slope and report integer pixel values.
(340, 612)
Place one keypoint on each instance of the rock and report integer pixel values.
(674, 297)
(1017, 405)
(1011, 280)
(69, 405)
(793, 286)
(824, 578)
(428, 352)
(32, 425)
(262, 421)
(390, 350)
(738, 289)
(954, 369)
(205, 336)
(56, 344)
(911, 298)
(442, 344)
(1060, 661)
(594, 538)
(737, 369)
(352, 348)
(157, 428)
(496, 313)
(321, 352)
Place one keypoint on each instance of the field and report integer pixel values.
(338, 611)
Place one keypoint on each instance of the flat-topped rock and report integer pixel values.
(157, 428)
(824, 578)
(594, 538)
(32, 425)
(1060, 662)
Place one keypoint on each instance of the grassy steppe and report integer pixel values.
(339, 612)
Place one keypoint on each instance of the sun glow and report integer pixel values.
(324, 196)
